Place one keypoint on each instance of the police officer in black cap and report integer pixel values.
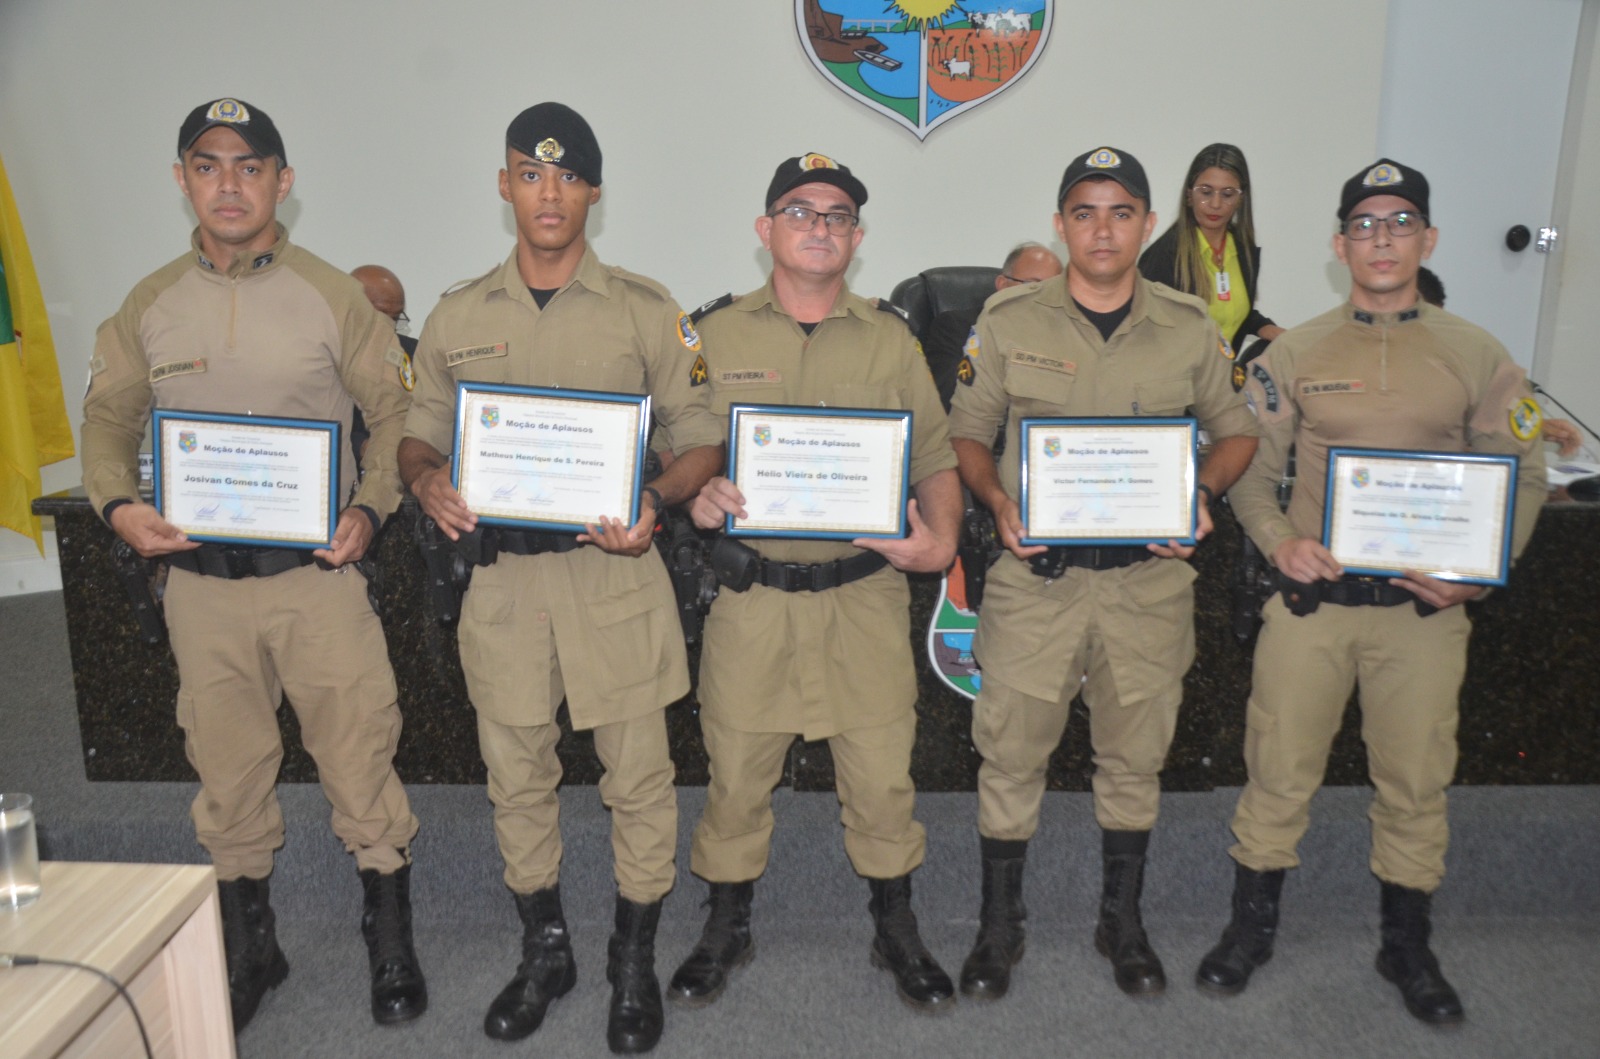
(589, 618)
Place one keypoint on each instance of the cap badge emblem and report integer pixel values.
(549, 150)
(230, 110)
(818, 161)
(1104, 158)
(1382, 176)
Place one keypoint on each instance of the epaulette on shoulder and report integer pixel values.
(1173, 294)
(1011, 294)
(644, 282)
(887, 306)
(710, 307)
(463, 284)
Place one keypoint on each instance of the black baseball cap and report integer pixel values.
(813, 168)
(1384, 177)
(1110, 163)
(251, 123)
(557, 134)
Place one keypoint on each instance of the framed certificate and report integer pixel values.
(1108, 481)
(819, 473)
(1446, 514)
(542, 458)
(251, 480)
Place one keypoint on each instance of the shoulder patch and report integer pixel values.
(1526, 419)
(710, 307)
(642, 282)
(885, 305)
(966, 371)
(697, 371)
(1238, 377)
(402, 364)
(1267, 385)
(462, 284)
(687, 334)
(1223, 347)
(972, 347)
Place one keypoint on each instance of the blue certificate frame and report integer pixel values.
(247, 471)
(1151, 503)
(569, 457)
(1445, 514)
(820, 473)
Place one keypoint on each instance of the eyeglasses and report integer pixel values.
(803, 219)
(401, 317)
(1400, 225)
(1205, 193)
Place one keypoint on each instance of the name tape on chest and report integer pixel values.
(1312, 389)
(177, 367)
(1023, 358)
(749, 377)
(466, 355)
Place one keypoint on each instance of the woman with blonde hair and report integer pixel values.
(1210, 250)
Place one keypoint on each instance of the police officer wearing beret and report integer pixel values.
(819, 645)
(1386, 371)
(1114, 624)
(249, 323)
(588, 617)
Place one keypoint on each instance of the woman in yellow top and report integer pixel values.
(1210, 250)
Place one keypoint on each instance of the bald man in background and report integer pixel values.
(384, 291)
(946, 340)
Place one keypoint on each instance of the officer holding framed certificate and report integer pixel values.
(250, 329)
(811, 637)
(1382, 372)
(1115, 621)
(588, 617)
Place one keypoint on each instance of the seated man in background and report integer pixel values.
(948, 332)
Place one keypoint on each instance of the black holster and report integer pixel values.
(694, 584)
(136, 574)
(449, 572)
(977, 549)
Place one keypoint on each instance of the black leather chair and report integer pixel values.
(937, 290)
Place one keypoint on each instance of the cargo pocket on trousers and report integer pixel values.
(501, 657)
(1151, 662)
(628, 639)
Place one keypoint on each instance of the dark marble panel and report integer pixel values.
(1530, 711)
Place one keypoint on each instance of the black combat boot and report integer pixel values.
(724, 944)
(1247, 939)
(898, 948)
(399, 993)
(987, 973)
(255, 963)
(634, 1023)
(547, 969)
(1406, 960)
(1120, 934)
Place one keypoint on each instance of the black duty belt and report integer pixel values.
(1353, 591)
(528, 542)
(1054, 563)
(232, 563)
(815, 577)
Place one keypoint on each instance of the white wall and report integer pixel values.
(394, 113)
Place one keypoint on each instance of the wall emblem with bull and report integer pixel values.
(922, 62)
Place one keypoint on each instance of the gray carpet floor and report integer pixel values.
(1517, 922)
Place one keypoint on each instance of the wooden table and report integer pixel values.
(155, 927)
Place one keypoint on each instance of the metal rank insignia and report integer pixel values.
(229, 110)
(549, 150)
(1104, 158)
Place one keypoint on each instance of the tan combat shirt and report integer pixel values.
(1421, 379)
(281, 334)
(816, 663)
(607, 329)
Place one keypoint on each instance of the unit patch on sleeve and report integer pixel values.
(1267, 385)
(697, 371)
(1526, 419)
(402, 364)
(687, 334)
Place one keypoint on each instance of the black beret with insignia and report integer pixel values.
(557, 134)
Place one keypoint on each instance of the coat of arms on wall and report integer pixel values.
(922, 62)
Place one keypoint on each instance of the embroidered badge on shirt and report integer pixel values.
(177, 367)
(1526, 419)
(1311, 389)
(1238, 377)
(749, 376)
(966, 371)
(972, 346)
(1223, 347)
(1038, 360)
(457, 357)
(687, 334)
(1267, 385)
(697, 372)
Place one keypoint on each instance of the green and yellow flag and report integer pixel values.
(34, 430)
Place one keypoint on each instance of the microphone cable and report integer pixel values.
(15, 960)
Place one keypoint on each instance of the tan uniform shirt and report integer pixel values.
(280, 334)
(816, 663)
(607, 329)
(1421, 379)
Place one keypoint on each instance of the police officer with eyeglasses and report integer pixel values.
(1384, 370)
